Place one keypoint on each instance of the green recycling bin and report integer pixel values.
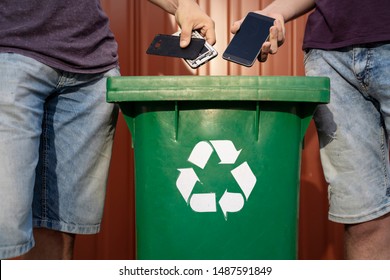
(217, 162)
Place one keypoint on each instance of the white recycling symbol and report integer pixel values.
(207, 202)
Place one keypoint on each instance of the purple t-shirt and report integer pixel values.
(70, 35)
(340, 23)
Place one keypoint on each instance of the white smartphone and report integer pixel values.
(206, 54)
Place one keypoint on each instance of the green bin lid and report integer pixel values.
(218, 88)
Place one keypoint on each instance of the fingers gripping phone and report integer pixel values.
(246, 44)
(169, 45)
(207, 52)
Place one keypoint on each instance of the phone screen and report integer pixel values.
(246, 43)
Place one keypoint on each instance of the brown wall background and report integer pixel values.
(135, 22)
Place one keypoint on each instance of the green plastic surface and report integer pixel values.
(165, 88)
(217, 162)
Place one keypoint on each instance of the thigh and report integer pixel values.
(24, 88)
(353, 142)
(378, 79)
(77, 137)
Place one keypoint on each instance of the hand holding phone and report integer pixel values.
(169, 45)
(195, 54)
(246, 44)
(206, 53)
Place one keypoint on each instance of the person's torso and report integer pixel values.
(340, 23)
(70, 35)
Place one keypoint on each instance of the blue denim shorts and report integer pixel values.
(354, 129)
(56, 135)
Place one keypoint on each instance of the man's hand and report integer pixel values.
(276, 35)
(190, 17)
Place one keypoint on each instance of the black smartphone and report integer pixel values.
(245, 46)
(169, 45)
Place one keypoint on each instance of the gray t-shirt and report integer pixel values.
(69, 35)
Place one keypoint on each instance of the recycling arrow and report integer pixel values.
(245, 178)
(207, 202)
(200, 154)
(186, 182)
(226, 151)
(231, 202)
(204, 202)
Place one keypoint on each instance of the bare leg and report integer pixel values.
(51, 245)
(369, 240)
